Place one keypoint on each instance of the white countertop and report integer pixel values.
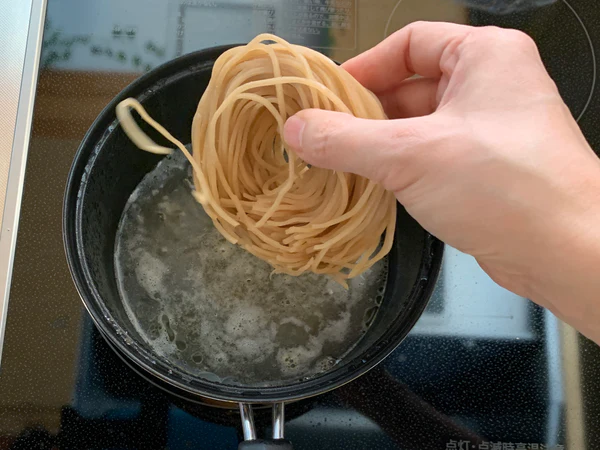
(21, 27)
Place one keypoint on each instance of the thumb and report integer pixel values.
(339, 141)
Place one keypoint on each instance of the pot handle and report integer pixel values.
(251, 442)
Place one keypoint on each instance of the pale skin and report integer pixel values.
(482, 151)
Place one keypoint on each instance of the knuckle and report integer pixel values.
(322, 139)
(407, 149)
(409, 134)
(418, 24)
(492, 43)
(519, 39)
(506, 36)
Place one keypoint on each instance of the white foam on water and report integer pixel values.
(214, 310)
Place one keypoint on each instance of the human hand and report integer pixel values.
(482, 152)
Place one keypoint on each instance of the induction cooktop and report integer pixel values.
(483, 368)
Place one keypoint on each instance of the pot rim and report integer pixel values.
(145, 359)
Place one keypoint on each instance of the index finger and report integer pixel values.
(417, 48)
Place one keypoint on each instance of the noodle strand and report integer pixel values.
(258, 193)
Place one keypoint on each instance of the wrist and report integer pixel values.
(567, 278)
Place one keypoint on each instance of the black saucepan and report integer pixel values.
(106, 170)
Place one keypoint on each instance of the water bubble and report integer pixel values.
(370, 316)
(211, 308)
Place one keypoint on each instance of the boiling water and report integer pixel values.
(213, 309)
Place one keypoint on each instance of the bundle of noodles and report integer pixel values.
(262, 197)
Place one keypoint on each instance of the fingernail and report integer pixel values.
(293, 131)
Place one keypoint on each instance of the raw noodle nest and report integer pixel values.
(263, 197)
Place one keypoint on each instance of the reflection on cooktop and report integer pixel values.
(435, 403)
